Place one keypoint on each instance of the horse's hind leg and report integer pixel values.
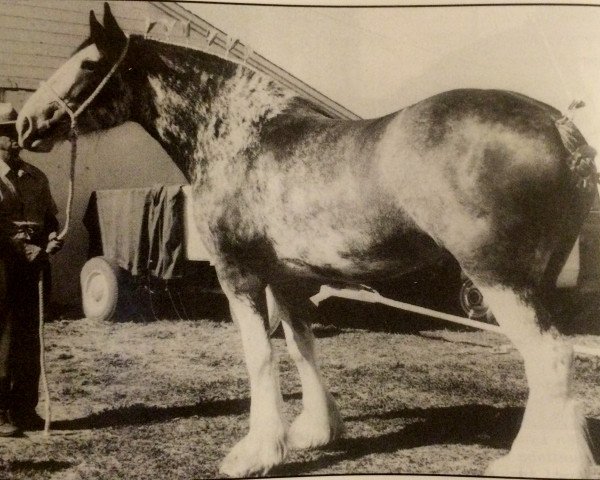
(320, 421)
(264, 445)
(552, 438)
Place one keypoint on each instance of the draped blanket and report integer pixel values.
(140, 228)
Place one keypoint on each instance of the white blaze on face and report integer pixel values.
(66, 83)
(70, 79)
(43, 108)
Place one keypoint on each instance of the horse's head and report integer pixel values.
(88, 86)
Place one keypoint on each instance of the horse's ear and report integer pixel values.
(112, 27)
(97, 33)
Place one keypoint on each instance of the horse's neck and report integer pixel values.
(203, 108)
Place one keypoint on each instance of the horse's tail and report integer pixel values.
(583, 180)
(581, 160)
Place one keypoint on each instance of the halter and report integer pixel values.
(73, 131)
(93, 95)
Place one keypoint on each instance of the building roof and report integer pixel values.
(37, 36)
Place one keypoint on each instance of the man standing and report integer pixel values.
(28, 228)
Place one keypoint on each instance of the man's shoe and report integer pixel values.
(27, 420)
(7, 427)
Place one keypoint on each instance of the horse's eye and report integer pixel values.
(88, 65)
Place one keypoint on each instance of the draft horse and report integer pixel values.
(288, 198)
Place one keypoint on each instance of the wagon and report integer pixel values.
(141, 244)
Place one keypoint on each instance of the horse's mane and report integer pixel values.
(206, 58)
(187, 47)
(220, 62)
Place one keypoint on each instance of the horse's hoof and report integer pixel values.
(520, 465)
(307, 431)
(310, 431)
(551, 444)
(252, 456)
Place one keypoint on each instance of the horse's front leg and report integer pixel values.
(264, 445)
(319, 422)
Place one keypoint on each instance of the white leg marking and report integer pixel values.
(264, 445)
(319, 422)
(552, 440)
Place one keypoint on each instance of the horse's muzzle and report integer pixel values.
(33, 134)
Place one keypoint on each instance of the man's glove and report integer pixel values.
(22, 244)
(32, 253)
(54, 243)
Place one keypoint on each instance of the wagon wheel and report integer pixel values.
(100, 278)
(472, 302)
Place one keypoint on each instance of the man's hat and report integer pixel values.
(8, 119)
(8, 114)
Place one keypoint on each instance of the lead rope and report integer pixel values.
(63, 233)
(60, 236)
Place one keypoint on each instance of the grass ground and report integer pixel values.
(167, 399)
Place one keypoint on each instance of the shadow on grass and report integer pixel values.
(465, 425)
(593, 425)
(143, 414)
(343, 313)
(48, 466)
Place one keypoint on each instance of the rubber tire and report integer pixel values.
(100, 288)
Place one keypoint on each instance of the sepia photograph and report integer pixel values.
(299, 239)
